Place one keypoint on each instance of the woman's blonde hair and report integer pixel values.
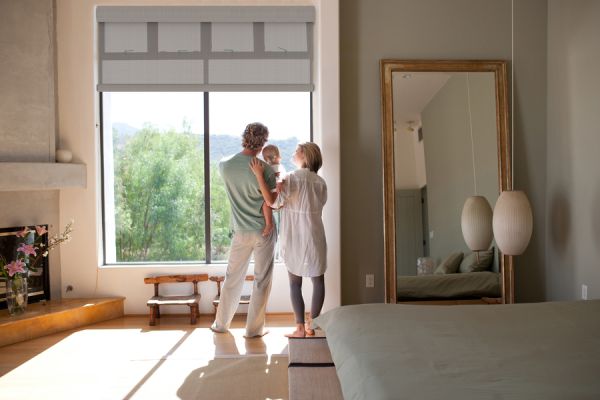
(312, 156)
(271, 153)
(255, 136)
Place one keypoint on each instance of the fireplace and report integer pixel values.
(39, 281)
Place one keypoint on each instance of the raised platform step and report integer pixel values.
(311, 372)
(56, 316)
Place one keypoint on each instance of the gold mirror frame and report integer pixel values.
(504, 154)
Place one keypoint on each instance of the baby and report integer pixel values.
(272, 157)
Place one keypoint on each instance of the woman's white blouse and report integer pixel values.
(301, 232)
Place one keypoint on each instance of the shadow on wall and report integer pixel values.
(561, 257)
(595, 213)
(560, 223)
(530, 268)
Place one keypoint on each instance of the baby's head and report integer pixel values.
(271, 155)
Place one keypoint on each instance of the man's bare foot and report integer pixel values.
(298, 333)
(267, 231)
(214, 328)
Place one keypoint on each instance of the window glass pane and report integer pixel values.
(153, 177)
(286, 114)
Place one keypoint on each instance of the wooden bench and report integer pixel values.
(192, 301)
(245, 299)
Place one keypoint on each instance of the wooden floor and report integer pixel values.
(125, 358)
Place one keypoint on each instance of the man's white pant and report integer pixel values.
(243, 245)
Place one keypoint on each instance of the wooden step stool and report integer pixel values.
(191, 301)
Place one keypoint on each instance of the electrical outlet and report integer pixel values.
(584, 292)
(370, 281)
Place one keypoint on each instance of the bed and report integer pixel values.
(449, 286)
(519, 351)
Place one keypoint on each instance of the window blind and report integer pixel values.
(205, 48)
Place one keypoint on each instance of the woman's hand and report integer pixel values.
(257, 167)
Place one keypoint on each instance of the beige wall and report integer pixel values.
(27, 111)
(530, 66)
(573, 190)
(432, 29)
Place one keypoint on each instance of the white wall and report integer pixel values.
(573, 188)
(79, 131)
(405, 160)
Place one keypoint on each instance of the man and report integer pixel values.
(248, 225)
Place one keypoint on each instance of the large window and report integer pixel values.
(164, 200)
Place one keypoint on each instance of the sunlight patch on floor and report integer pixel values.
(125, 362)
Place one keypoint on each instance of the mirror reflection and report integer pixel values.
(445, 150)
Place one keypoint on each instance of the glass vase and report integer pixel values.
(16, 294)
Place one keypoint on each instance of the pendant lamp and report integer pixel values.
(476, 223)
(476, 218)
(512, 222)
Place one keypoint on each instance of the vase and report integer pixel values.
(16, 294)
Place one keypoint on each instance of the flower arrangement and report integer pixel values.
(30, 250)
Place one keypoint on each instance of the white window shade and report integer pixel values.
(285, 37)
(179, 37)
(234, 37)
(136, 72)
(125, 38)
(205, 48)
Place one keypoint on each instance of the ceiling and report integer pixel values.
(412, 92)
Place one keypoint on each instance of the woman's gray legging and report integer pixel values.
(318, 296)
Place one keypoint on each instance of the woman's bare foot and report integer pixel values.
(298, 333)
(308, 328)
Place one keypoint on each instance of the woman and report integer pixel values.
(302, 236)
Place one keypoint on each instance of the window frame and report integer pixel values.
(207, 194)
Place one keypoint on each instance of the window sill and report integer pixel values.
(174, 265)
(19, 176)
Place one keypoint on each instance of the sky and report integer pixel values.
(286, 114)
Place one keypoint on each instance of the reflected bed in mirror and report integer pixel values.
(445, 138)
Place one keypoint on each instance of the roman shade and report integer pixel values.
(205, 48)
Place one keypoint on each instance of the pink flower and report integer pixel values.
(23, 233)
(14, 267)
(40, 230)
(27, 249)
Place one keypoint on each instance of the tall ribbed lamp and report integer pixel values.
(476, 223)
(512, 222)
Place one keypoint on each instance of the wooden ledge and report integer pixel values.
(56, 316)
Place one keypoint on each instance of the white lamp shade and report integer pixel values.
(513, 222)
(476, 223)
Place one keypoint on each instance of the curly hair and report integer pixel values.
(255, 136)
